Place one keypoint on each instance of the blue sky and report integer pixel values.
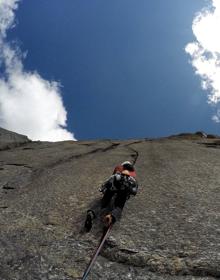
(121, 63)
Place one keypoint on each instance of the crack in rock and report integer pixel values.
(72, 157)
(9, 146)
(24, 179)
(215, 144)
(8, 187)
(160, 262)
(18, 164)
(135, 153)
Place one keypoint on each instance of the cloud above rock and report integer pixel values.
(205, 51)
(29, 104)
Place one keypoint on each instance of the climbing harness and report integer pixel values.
(93, 259)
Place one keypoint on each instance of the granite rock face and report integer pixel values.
(10, 139)
(170, 230)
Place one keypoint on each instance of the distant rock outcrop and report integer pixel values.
(10, 139)
(169, 231)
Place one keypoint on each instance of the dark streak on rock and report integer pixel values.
(129, 251)
(10, 146)
(61, 161)
(135, 153)
(87, 144)
(8, 187)
(19, 164)
(211, 145)
(214, 144)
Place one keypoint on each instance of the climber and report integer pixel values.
(126, 165)
(116, 190)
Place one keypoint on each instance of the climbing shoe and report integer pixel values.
(88, 222)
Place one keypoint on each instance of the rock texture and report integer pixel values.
(10, 139)
(170, 230)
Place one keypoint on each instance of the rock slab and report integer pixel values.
(170, 230)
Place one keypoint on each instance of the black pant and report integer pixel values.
(115, 201)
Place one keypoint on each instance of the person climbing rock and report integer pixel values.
(126, 165)
(116, 191)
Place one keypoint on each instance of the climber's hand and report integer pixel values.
(108, 219)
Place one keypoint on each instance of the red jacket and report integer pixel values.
(120, 168)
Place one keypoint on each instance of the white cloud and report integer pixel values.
(205, 51)
(28, 104)
(7, 8)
